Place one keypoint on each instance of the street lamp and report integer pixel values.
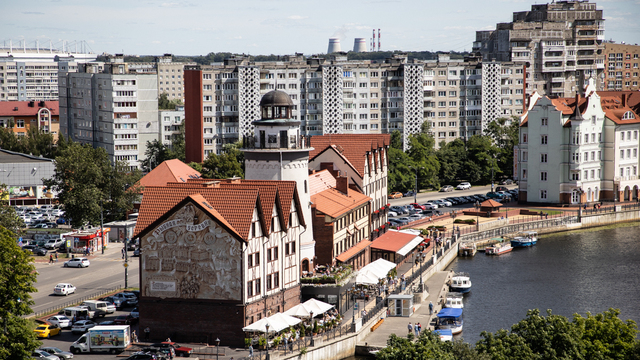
(102, 226)
(267, 338)
(477, 206)
(353, 312)
(218, 347)
(415, 191)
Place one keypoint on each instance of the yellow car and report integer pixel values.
(395, 195)
(47, 330)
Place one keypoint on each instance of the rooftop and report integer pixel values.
(392, 241)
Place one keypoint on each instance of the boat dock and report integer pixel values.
(438, 288)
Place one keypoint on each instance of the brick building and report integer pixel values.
(622, 66)
(20, 116)
(217, 255)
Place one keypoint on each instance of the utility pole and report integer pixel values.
(102, 226)
(126, 264)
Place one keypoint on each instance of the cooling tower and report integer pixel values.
(334, 45)
(360, 45)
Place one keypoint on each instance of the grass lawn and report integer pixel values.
(547, 211)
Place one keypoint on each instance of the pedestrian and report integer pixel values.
(50, 258)
(286, 344)
(430, 307)
(56, 256)
(251, 351)
(122, 251)
(410, 327)
(415, 330)
(419, 328)
(585, 206)
(147, 332)
(134, 336)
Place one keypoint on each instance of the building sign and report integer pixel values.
(162, 286)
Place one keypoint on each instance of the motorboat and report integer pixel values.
(453, 300)
(467, 248)
(444, 334)
(524, 239)
(450, 319)
(499, 248)
(460, 282)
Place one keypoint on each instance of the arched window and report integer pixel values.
(629, 115)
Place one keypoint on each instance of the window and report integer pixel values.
(249, 283)
(543, 194)
(543, 176)
(544, 121)
(543, 158)
(543, 139)
(524, 138)
(20, 123)
(257, 281)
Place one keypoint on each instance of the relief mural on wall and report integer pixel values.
(190, 256)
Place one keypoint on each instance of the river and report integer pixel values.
(572, 272)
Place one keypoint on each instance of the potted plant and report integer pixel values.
(262, 343)
(315, 327)
(247, 343)
(303, 331)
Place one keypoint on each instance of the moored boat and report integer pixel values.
(467, 248)
(498, 249)
(450, 319)
(524, 239)
(453, 300)
(444, 334)
(460, 282)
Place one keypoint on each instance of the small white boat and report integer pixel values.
(467, 248)
(450, 319)
(444, 334)
(460, 282)
(499, 248)
(453, 300)
(525, 239)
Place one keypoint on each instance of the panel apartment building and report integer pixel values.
(621, 62)
(562, 43)
(337, 96)
(32, 73)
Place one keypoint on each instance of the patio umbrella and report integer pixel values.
(299, 310)
(275, 325)
(318, 307)
(366, 278)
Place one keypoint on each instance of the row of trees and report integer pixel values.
(537, 337)
(477, 160)
(35, 142)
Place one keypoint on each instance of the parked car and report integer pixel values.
(43, 355)
(143, 356)
(47, 330)
(415, 217)
(463, 186)
(409, 193)
(61, 221)
(494, 195)
(179, 350)
(77, 262)
(446, 188)
(64, 289)
(446, 202)
(429, 206)
(398, 209)
(506, 182)
(127, 298)
(452, 200)
(35, 250)
(53, 243)
(405, 220)
(395, 195)
(62, 321)
(82, 326)
(125, 320)
(418, 206)
(392, 214)
(433, 203)
(136, 252)
(57, 352)
(501, 188)
(111, 300)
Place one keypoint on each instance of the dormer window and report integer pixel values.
(629, 115)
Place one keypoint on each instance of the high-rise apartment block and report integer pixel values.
(562, 43)
(337, 96)
(621, 63)
(32, 73)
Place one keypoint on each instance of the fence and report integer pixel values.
(520, 226)
(70, 303)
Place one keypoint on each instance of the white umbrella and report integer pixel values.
(299, 310)
(318, 307)
(366, 278)
(284, 318)
(275, 325)
(379, 268)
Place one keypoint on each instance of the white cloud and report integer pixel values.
(297, 17)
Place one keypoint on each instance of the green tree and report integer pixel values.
(606, 336)
(427, 347)
(399, 174)
(157, 152)
(84, 178)
(17, 278)
(226, 165)
(423, 156)
(451, 157)
(480, 160)
(165, 104)
(9, 219)
(505, 134)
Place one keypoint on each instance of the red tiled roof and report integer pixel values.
(392, 241)
(354, 250)
(353, 147)
(334, 203)
(321, 181)
(7, 108)
(200, 200)
(490, 203)
(169, 171)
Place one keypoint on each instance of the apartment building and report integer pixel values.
(561, 42)
(20, 116)
(580, 150)
(337, 96)
(170, 124)
(111, 106)
(621, 63)
(32, 73)
(170, 77)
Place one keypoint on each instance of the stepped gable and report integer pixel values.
(353, 147)
(235, 207)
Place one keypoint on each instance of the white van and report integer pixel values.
(101, 308)
(77, 313)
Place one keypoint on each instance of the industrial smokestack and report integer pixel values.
(360, 45)
(334, 46)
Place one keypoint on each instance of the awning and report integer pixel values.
(305, 309)
(410, 246)
(366, 278)
(353, 251)
(277, 323)
(379, 268)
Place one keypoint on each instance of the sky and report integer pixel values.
(262, 27)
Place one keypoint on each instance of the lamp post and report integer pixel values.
(415, 188)
(353, 312)
(126, 264)
(218, 347)
(267, 338)
(477, 206)
(102, 226)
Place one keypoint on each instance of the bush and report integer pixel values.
(262, 341)
(247, 342)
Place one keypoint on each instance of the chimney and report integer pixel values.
(342, 184)
(624, 99)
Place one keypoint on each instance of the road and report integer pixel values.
(105, 272)
(434, 195)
